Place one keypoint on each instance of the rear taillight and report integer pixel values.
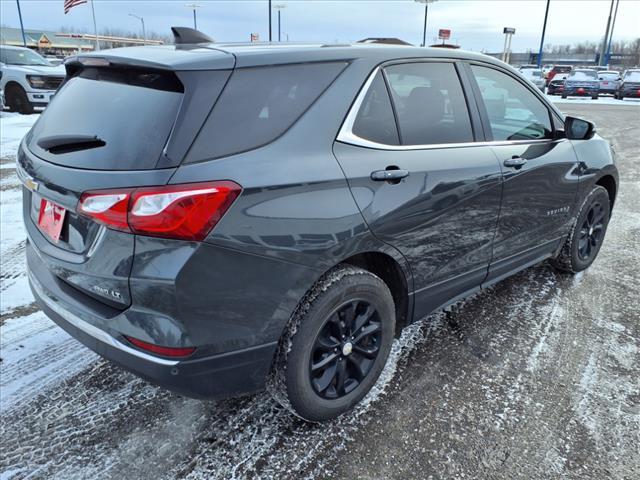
(185, 212)
(160, 350)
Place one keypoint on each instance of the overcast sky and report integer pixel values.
(475, 24)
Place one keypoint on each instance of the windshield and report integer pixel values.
(583, 75)
(22, 57)
(532, 73)
(608, 75)
(632, 76)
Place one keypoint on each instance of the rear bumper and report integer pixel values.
(635, 93)
(216, 376)
(580, 91)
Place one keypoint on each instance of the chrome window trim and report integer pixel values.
(91, 330)
(346, 135)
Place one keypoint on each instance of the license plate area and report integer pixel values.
(51, 219)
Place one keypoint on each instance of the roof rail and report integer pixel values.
(186, 36)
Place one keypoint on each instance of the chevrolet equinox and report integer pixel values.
(222, 218)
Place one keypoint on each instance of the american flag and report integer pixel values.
(69, 4)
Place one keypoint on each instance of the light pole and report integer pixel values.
(24, 39)
(144, 32)
(603, 48)
(544, 29)
(269, 20)
(194, 6)
(426, 11)
(279, 8)
(607, 56)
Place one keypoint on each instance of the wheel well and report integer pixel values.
(610, 185)
(12, 84)
(391, 273)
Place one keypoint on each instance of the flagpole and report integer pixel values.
(24, 39)
(95, 28)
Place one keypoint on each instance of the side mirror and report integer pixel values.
(578, 129)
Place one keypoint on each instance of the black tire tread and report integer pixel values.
(564, 260)
(276, 381)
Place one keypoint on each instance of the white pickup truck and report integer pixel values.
(28, 80)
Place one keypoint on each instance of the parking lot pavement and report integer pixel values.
(537, 377)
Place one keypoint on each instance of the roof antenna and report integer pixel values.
(186, 36)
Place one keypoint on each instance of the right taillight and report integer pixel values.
(185, 212)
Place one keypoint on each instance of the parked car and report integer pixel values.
(546, 69)
(581, 83)
(608, 81)
(276, 215)
(556, 70)
(556, 86)
(28, 79)
(629, 86)
(534, 75)
(1, 92)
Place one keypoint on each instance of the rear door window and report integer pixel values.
(514, 112)
(258, 105)
(130, 112)
(429, 103)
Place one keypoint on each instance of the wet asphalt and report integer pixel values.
(535, 378)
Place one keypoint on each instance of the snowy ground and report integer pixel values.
(537, 378)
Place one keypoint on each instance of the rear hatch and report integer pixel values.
(115, 123)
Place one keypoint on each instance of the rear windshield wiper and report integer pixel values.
(70, 143)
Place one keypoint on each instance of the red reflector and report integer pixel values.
(157, 349)
(184, 212)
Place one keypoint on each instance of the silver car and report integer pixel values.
(609, 81)
(535, 76)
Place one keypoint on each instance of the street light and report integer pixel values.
(279, 8)
(144, 32)
(426, 11)
(194, 6)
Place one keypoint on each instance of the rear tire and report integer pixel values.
(587, 234)
(18, 101)
(594, 97)
(335, 346)
(564, 96)
(620, 97)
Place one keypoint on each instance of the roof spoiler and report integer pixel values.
(186, 36)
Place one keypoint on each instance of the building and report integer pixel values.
(63, 44)
(46, 42)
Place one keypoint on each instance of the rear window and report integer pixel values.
(258, 105)
(561, 69)
(131, 112)
(608, 75)
(583, 75)
(632, 77)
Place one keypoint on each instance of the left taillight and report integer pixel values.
(185, 212)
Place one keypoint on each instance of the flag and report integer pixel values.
(69, 4)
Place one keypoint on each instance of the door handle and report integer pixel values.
(515, 162)
(394, 175)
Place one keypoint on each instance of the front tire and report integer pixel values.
(18, 101)
(335, 346)
(585, 239)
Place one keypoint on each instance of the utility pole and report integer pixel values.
(607, 57)
(24, 39)
(426, 12)
(544, 29)
(279, 8)
(195, 20)
(95, 26)
(144, 33)
(606, 36)
(269, 20)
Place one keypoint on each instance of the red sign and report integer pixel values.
(51, 219)
(255, 37)
(444, 34)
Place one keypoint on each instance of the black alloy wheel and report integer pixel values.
(345, 349)
(591, 231)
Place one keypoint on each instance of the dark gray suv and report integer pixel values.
(220, 218)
